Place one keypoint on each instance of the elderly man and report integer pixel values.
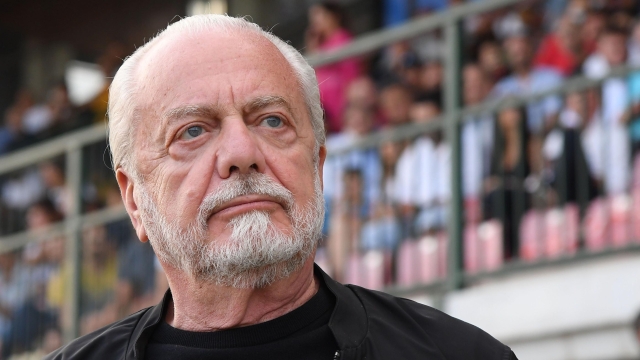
(218, 145)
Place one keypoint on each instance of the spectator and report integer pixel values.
(561, 50)
(491, 61)
(594, 23)
(395, 102)
(563, 150)
(422, 175)
(49, 118)
(327, 31)
(347, 216)
(10, 132)
(634, 89)
(525, 80)
(477, 133)
(358, 124)
(431, 83)
(506, 198)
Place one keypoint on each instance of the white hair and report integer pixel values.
(123, 112)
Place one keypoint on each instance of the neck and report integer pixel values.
(198, 306)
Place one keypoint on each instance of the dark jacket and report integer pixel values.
(366, 324)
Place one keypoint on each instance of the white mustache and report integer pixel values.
(253, 183)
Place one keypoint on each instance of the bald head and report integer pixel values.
(166, 49)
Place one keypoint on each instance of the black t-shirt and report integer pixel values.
(301, 334)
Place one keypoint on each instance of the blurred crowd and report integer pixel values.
(560, 164)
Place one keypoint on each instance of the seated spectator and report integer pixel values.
(53, 177)
(10, 132)
(13, 277)
(99, 274)
(561, 50)
(395, 102)
(327, 31)
(506, 198)
(50, 118)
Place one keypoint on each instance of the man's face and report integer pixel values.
(518, 51)
(221, 112)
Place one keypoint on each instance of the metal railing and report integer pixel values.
(70, 145)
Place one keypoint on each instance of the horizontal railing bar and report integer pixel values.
(100, 217)
(381, 38)
(51, 148)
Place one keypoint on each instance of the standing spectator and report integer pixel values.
(358, 124)
(594, 23)
(608, 136)
(491, 60)
(327, 31)
(506, 198)
(525, 80)
(477, 133)
(561, 50)
(423, 176)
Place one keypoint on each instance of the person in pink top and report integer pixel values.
(327, 32)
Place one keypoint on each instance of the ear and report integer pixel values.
(322, 156)
(127, 186)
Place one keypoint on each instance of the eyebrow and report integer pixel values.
(213, 111)
(205, 111)
(262, 102)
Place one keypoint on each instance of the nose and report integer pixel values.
(238, 150)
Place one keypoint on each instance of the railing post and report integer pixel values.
(452, 97)
(71, 307)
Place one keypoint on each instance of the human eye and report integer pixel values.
(273, 122)
(192, 132)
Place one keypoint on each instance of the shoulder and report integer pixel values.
(410, 324)
(112, 339)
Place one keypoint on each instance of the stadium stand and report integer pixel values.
(547, 172)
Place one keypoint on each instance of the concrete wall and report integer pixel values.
(578, 311)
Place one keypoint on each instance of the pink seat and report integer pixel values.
(620, 208)
(373, 264)
(428, 259)
(635, 214)
(471, 249)
(443, 250)
(406, 264)
(472, 210)
(531, 235)
(491, 244)
(353, 271)
(596, 225)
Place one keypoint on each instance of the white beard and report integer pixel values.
(257, 252)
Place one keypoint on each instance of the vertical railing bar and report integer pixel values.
(73, 248)
(452, 88)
